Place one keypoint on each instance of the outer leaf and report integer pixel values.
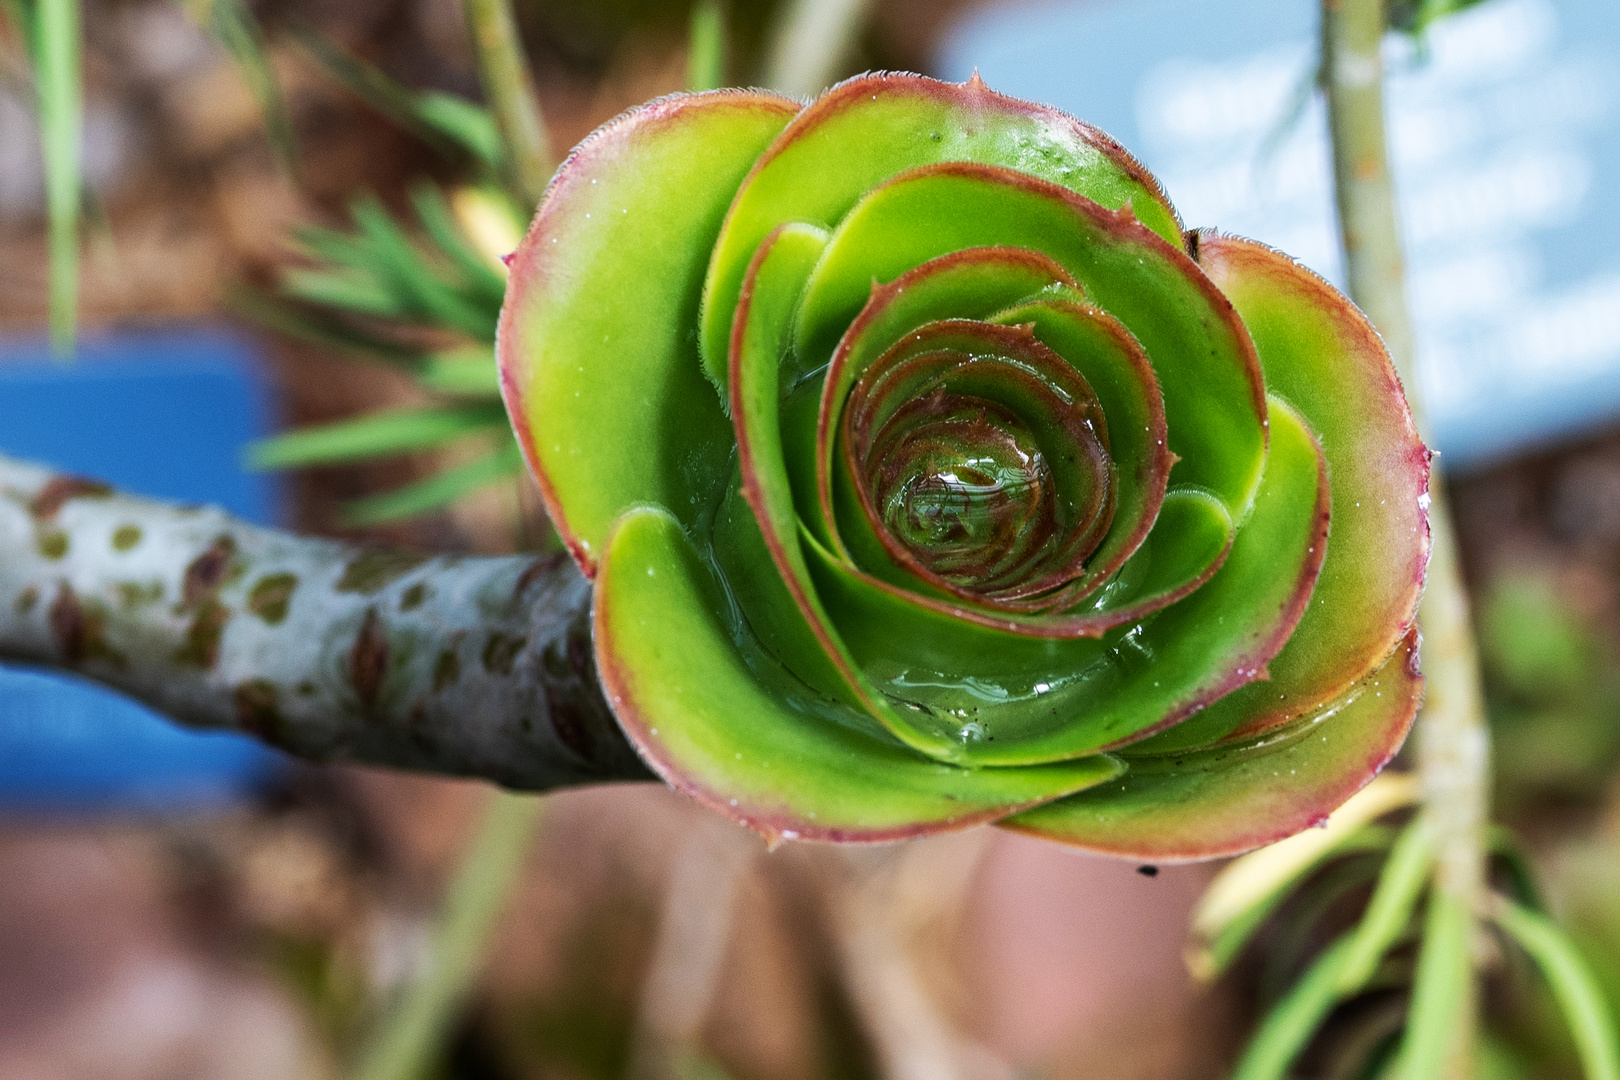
(868, 129)
(598, 367)
(741, 740)
(1234, 798)
(1322, 356)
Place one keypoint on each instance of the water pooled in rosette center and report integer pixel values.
(964, 488)
(980, 461)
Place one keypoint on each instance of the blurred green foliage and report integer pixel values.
(424, 296)
(1416, 16)
(421, 295)
(1552, 678)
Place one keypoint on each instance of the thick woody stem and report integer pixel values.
(509, 88)
(469, 666)
(1454, 744)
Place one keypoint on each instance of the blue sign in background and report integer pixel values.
(164, 415)
(1505, 136)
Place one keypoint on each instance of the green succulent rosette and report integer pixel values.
(930, 474)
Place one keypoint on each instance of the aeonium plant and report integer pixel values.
(931, 473)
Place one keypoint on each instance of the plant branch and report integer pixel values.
(1454, 744)
(509, 88)
(467, 666)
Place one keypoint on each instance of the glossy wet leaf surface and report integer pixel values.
(1233, 798)
(795, 768)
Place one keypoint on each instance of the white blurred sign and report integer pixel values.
(1505, 132)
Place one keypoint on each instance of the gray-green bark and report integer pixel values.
(467, 666)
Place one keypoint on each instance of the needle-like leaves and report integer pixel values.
(378, 434)
(449, 122)
(439, 222)
(1240, 899)
(1399, 886)
(237, 30)
(1441, 990)
(377, 271)
(1290, 1025)
(318, 327)
(1590, 1017)
(439, 490)
(1514, 865)
(466, 373)
(1213, 955)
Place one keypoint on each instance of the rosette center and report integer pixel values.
(962, 485)
(980, 461)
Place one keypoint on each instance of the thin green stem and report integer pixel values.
(706, 47)
(1454, 744)
(509, 88)
(238, 31)
(812, 43)
(60, 94)
(408, 1041)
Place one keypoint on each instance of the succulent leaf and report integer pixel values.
(609, 399)
(1322, 355)
(1235, 797)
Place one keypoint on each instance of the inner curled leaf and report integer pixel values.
(960, 483)
(980, 461)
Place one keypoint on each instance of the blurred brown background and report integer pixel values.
(255, 943)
